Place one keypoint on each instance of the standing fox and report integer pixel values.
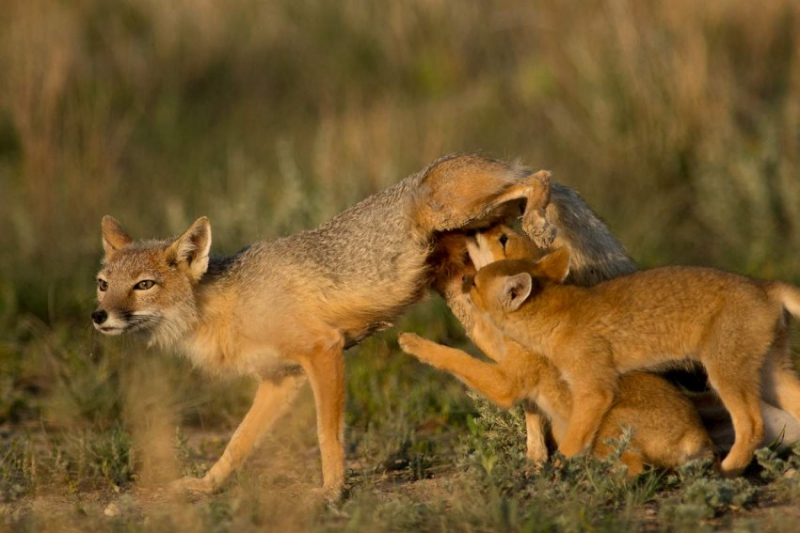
(736, 327)
(296, 303)
(667, 429)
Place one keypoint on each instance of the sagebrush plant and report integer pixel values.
(584, 488)
(700, 493)
(17, 469)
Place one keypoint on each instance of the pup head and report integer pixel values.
(500, 242)
(503, 287)
(457, 254)
(449, 262)
(147, 286)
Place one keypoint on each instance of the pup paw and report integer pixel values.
(537, 455)
(411, 343)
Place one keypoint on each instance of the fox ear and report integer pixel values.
(114, 237)
(555, 265)
(191, 249)
(515, 291)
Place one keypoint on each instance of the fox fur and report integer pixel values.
(285, 310)
(736, 327)
(666, 428)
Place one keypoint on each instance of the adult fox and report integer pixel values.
(285, 310)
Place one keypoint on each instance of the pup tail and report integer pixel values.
(788, 295)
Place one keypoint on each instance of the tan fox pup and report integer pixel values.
(667, 429)
(285, 310)
(736, 327)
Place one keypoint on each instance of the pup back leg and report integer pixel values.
(781, 386)
(748, 426)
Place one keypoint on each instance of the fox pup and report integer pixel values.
(285, 310)
(667, 429)
(500, 242)
(736, 327)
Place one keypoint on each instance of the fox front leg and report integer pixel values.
(272, 400)
(535, 429)
(488, 379)
(590, 405)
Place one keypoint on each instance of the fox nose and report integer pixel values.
(100, 316)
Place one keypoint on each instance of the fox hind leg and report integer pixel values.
(467, 191)
(743, 402)
(781, 386)
(325, 370)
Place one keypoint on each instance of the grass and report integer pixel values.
(677, 121)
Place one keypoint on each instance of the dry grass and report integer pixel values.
(679, 121)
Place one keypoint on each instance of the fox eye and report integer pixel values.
(503, 240)
(144, 285)
(467, 282)
(102, 285)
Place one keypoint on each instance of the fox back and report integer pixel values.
(648, 318)
(354, 273)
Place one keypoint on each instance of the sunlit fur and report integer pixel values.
(666, 428)
(297, 302)
(736, 327)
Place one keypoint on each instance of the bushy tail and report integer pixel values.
(789, 296)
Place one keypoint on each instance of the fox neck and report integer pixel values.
(196, 326)
(459, 304)
(177, 321)
(536, 324)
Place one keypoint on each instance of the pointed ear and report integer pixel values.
(114, 237)
(190, 250)
(555, 265)
(515, 290)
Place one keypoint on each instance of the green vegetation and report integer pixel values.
(679, 122)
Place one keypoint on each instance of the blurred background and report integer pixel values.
(678, 121)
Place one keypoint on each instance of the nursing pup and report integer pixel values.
(666, 428)
(736, 327)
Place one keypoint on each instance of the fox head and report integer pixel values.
(503, 287)
(500, 242)
(148, 286)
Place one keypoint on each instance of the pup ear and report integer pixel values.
(190, 250)
(114, 237)
(555, 265)
(515, 290)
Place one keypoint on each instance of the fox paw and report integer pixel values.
(194, 487)
(537, 456)
(332, 495)
(412, 344)
(540, 230)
